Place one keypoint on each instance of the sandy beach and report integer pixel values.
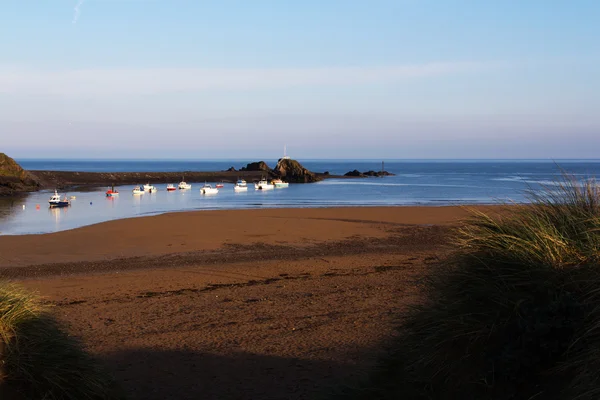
(270, 304)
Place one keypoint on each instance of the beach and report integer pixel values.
(277, 303)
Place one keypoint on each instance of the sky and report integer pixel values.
(394, 79)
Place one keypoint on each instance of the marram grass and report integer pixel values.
(514, 313)
(38, 360)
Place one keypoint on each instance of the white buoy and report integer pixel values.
(23, 206)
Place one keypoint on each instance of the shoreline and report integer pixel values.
(211, 230)
(264, 207)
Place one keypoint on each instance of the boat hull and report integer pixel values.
(240, 188)
(264, 187)
(59, 204)
(209, 191)
(282, 185)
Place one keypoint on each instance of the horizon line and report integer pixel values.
(302, 158)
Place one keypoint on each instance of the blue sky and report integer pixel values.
(329, 78)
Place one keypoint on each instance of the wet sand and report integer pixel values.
(269, 304)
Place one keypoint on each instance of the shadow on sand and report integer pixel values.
(155, 374)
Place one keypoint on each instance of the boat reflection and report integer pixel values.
(58, 213)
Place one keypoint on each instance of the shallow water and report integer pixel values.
(416, 183)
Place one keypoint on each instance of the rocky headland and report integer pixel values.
(14, 179)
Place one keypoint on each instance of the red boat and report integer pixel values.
(219, 185)
(112, 192)
(171, 187)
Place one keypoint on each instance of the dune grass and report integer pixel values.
(38, 360)
(514, 314)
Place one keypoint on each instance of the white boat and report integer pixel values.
(279, 183)
(149, 188)
(56, 201)
(240, 186)
(184, 185)
(263, 185)
(207, 189)
(171, 187)
(138, 190)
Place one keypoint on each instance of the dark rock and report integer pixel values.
(292, 171)
(377, 173)
(256, 166)
(356, 173)
(231, 169)
(326, 173)
(14, 179)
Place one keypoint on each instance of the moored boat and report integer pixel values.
(240, 186)
(138, 190)
(56, 201)
(112, 192)
(263, 185)
(149, 188)
(279, 183)
(219, 185)
(171, 187)
(184, 185)
(208, 189)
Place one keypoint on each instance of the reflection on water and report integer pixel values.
(58, 213)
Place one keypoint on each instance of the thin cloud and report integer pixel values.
(98, 82)
(77, 11)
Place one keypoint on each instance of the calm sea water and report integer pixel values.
(438, 182)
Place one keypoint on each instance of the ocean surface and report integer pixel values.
(430, 183)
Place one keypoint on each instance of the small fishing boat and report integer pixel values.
(240, 186)
(219, 186)
(171, 187)
(183, 185)
(56, 201)
(263, 185)
(138, 190)
(149, 188)
(208, 189)
(279, 183)
(112, 192)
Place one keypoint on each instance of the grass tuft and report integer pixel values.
(515, 313)
(38, 360)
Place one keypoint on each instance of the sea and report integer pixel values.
(416, 182)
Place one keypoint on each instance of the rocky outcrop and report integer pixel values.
(292, 171)
(377, 173)
(357, 174)
(14, 179)
(256, 166)
(231, 169)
